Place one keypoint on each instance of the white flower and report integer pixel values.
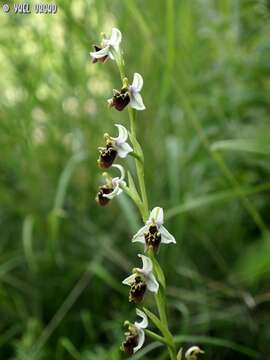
(120, 142)
(116, 183)
(193, 352)
(114, 146)
(108, 45)
(154, 233)
(147, 274)
(135, 336)
(136, 101)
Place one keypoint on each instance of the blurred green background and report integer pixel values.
(206, 69)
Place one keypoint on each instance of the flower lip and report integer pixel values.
(120, 99)
(101, 197)
(153, 238)
(107, 156)
(131, 343)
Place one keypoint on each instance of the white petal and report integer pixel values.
(122, 135)
(166, 237)
(101, 53)
(137, 82)
(121, 169)
(123, 150)
(115, 38)
(193, 352)
(139, 236)
(136, 101)
(144, 323)
(116, 191)
(156, 216)
(147, 265)
(129, 280)
(151, 283)
(141, 338)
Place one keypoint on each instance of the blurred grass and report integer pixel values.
(206, 69)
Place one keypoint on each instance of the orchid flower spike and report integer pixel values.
(193, 352)
(112, 188)
(105, 51)
(140, 280)
(154, 233)
(135, 335)
(114, 146)
(128, 94)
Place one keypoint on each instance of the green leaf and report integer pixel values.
(159, 272)
(223, 343)
(137, 147)
(213, 198)
(179, 355)
(253, 145)
(131, 184)
(254, 263)
(155, 320)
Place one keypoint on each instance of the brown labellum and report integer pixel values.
(100, 198)
(120, 99)
(130, 343)
(153, 238)
(101, 60)
(107, 156)
(137, 290)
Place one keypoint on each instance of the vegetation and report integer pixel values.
(206, 137)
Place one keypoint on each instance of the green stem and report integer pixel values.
(156, 337)
(138, 163)
(161, 305)
(160, 302)
(135, 199)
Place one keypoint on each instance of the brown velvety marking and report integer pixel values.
(137, 290)
(153, 237)
(101, 60)
(120, 99)
(130, 343)
(107, 156)
(100, 199)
